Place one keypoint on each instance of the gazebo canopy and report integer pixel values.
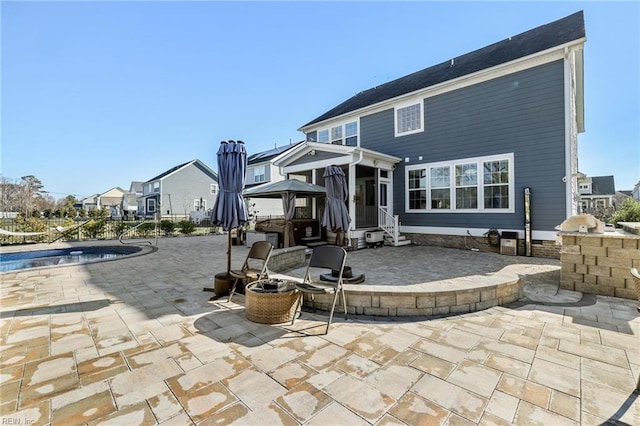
(287, 186)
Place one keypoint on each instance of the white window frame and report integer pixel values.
(213, 189)
(323, 136)
(337, 133)
(400, 107)
(330, 134)
(479, 161)
(197, 206)
(259, 174)
(356, 135)
(151, 205)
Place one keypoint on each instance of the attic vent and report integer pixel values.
(453, 63)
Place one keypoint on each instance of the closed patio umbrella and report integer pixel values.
(336, 217)
(229, 210)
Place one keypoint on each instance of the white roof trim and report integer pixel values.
(349, 151)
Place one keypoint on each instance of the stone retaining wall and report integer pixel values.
(454, 296)
(600, 263)
(539, 248)
(288, 258)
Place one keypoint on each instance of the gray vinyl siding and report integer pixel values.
(251, 173)
(183, 187)
(521, 113)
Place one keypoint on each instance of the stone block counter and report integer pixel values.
(601, 263)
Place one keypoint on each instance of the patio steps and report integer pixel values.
(402, 241)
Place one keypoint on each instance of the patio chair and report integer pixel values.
(324, 257)
(259, 251)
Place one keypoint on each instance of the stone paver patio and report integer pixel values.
(136, 341)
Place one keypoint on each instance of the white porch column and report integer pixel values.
(352, 198)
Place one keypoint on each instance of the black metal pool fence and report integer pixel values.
(52, 230)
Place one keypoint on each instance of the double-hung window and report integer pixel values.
(213, 189)
(351, 133)
(440, 188)
(496, 184)
(343, 134)
(417, 189)
(259, 174)
(199, 204)
(467, 186)
(483, 184)
(336, 135)
(408, 119)
(323, 136)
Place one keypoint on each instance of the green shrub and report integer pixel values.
(186, 227)
(120, 227)
(147, 228)
(167, 226)
(629, 212)
(31, 224)
(94, 228)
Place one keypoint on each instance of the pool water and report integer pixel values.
(33, 259)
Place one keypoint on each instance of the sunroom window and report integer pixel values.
(351, 133)
(343, 134)
(336, 135)
(457, 186)
(323, 136)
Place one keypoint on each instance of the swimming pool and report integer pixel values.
(64, 256)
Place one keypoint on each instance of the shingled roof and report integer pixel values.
(197, 163)
(603, 185)
(556, 33)
(261, 157)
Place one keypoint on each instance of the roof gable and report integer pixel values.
(547, 36)
(197, 163)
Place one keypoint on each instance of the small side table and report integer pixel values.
(271, 301)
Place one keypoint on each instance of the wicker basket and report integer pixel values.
(270, 308)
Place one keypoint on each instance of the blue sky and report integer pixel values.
(99, 94)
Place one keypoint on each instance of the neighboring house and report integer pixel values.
(90, 203)
(596, 193)
(261, 170)
(635, 193)
(181, 190)
(451, 149)
(130, 199)
(111, 201)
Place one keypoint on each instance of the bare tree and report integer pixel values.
(9, 195)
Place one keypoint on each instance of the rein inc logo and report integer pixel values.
(16, 421)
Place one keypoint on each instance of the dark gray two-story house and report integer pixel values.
(449, 151)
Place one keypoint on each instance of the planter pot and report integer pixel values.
(222, 284)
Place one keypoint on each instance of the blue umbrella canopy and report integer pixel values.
(229, 210)
(336, 217)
